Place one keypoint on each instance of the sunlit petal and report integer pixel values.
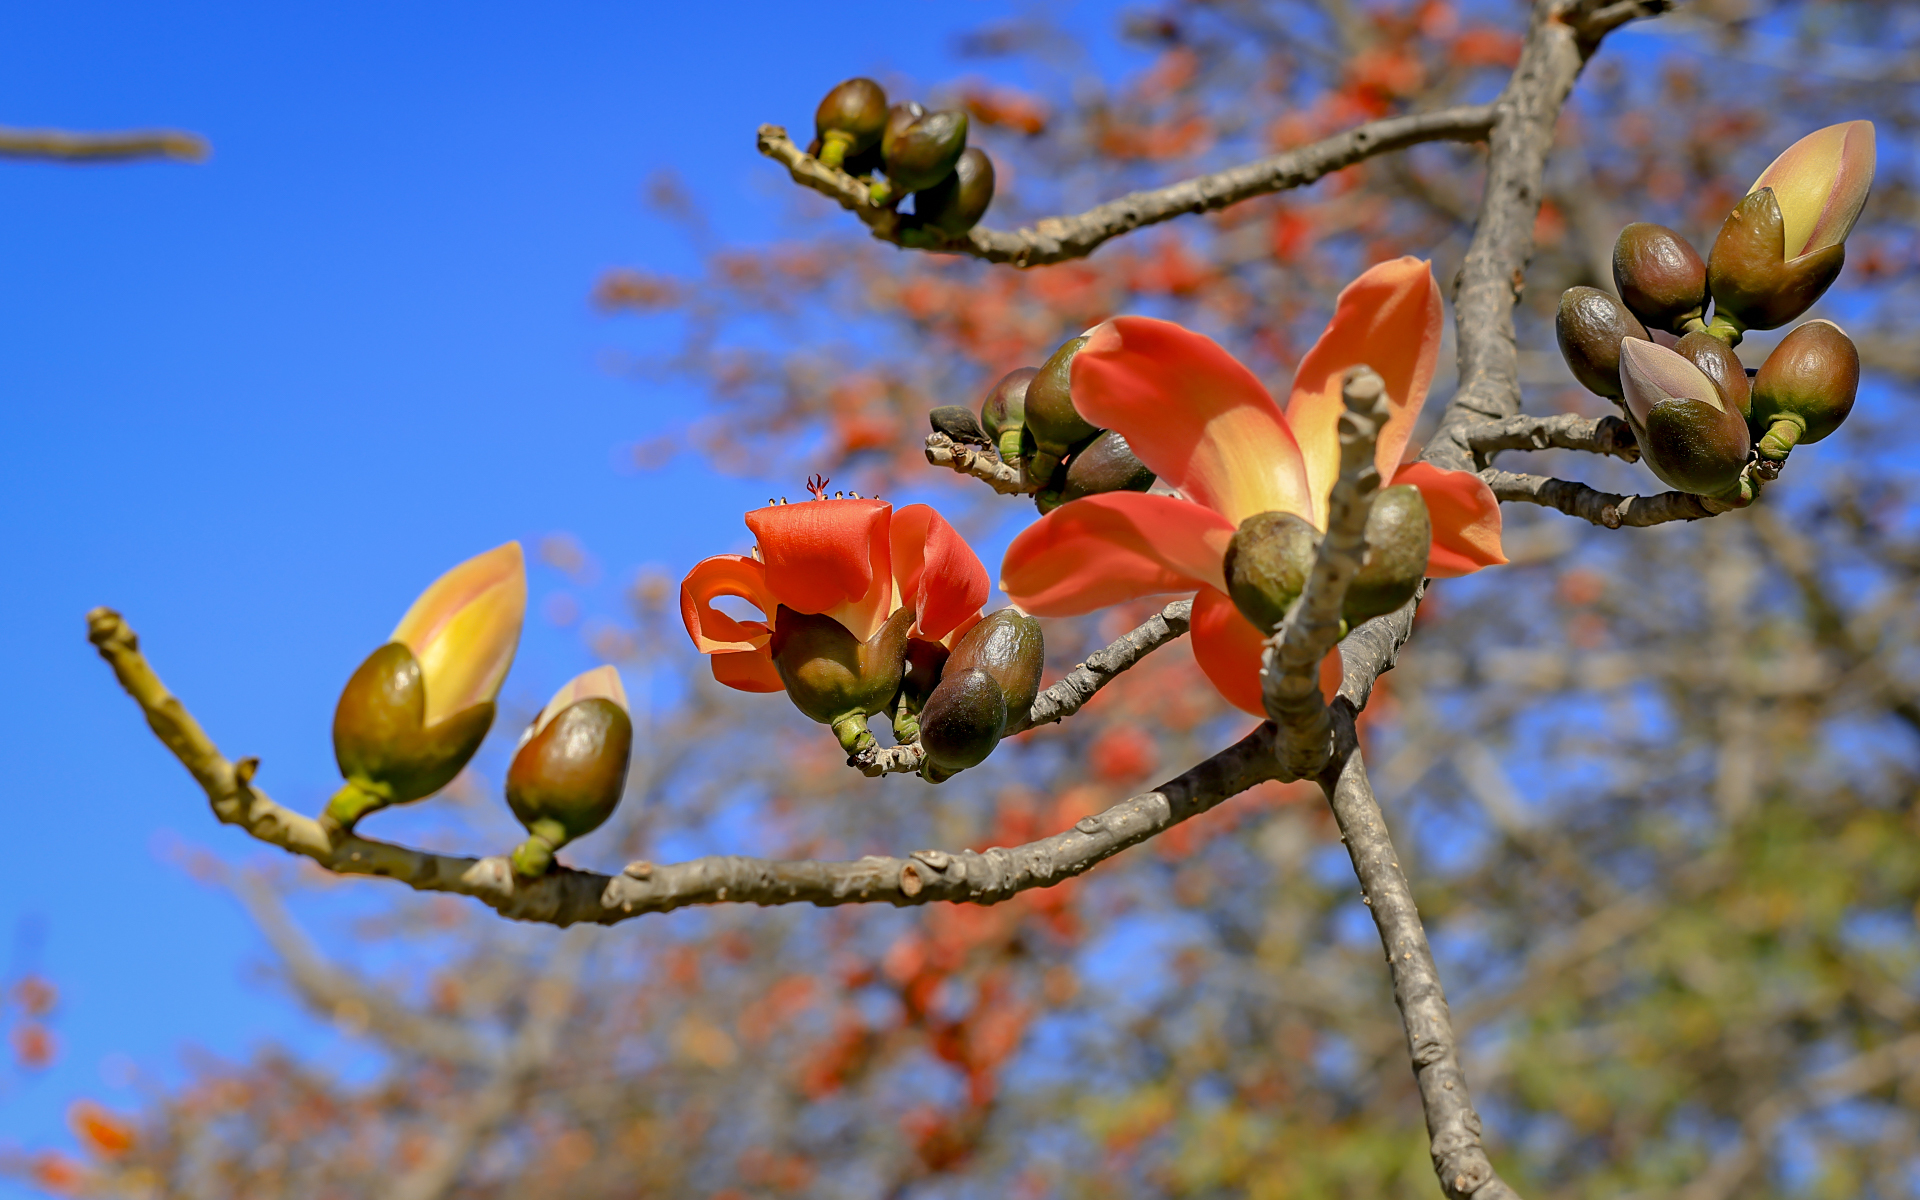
(1465, 516)
(1229, 648)
(829, 556)
(601, 683)
(1821, 183)
(937, 573)
(464, 629)
(748, 671)
(1106, 549)
(713, 631)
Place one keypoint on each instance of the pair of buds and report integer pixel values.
(416, 710)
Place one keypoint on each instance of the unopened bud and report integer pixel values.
(1055, 425)
(958, 422)
(1719, 363)
(834, 678)
(1689, 436)
(986, 691)
(1754, 284)
(956, 203)
(1660, 276)
(1806, 387)
(571, 768)
(850, 120)
(920, 147)
(1399, 539)
(1590, 327)
(1267, 564)
(1004, 413)
(1106, 464)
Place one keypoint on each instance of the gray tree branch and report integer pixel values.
(1601, 508)
(1563, 431)
(59, 145)
(981, 463)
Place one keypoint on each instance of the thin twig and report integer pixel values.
(983, 464)
(565, 896)
(1058, 239)
(1566, 431)
(1602, 508)
(1290, 668)
(58, 145)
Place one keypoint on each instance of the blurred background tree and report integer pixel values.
(1656, 788)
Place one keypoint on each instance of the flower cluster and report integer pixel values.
(417, 709)
(1704, 424)
(920, 152)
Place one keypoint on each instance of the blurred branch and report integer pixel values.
(1290, 665)
(565, 896)
(1058, 239)
(58, 145)
(982, 464)
(533, 1048)
(1566, 431)
(1601, 508)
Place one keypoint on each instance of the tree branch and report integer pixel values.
(1602, 508)
(1566, 431)
(57, 145)
(981, 463)
(565, 896)
(1290, 670)
(1058, 239)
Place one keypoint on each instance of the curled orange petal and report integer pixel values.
(1193, 414)
(937, 573)
(1229, 649)
(713, 631)
(1465, 515)
(748, 671)
(1389, 319)
(1106, 549)
(829, 556)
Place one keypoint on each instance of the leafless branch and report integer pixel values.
(1566, 431)
(1602, 508)
(982, 464)
(58, 145)
(1058, 239)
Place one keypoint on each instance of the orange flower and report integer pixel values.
(855, 561)
(105, 1134)
(1210, 431)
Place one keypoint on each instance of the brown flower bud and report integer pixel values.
(1689, 435)
(1052, 421)
(850, 120)
(956, 203)
(1399, 538)
(920, 147)
(1267, 564)
(834, 678)
(1718, 362)
(1004, 413)
(571, 768)
(1754, 284)
(1659, 276)
(1590, 327)
(382, 742)
(985, 692)
(1806, 387)
(958, 422)
(1106, 464)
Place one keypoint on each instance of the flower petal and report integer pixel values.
(1390, 320)
(1465, 515)
(1650, 374)
(464, 629)
(713, 631)
(1118, 546)
(829, 556)
(936, 571)
(1820, 183)
(748, 671)
(1228, 649)
(1193, 414)
(601, 683)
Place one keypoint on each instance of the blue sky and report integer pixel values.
(256, 404)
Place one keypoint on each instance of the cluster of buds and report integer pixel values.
(1030, 419)
(870, 612)
(416, 710)
(1664, 350)
(920, 153)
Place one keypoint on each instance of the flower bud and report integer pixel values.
(925, 661)
(1004, 413)
(1718, 362)
(986, 691)
(1055, 424)
(835, 679)
(1689, 435)
(850, 119)
(1267, 564)
(1805, 388)
(1659, 276)
(416, 710)
(956, 203)
(1820, 184)
(1590, 327)
(1754, 284)
(1106, 464)
(919, 147)
(571, 768)
(957, 422)
(1399, 537)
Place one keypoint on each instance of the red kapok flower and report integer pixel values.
(1203, 423)
(856, 561)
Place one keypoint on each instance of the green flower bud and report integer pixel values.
(1805, 388)
(1399, 537)
(383, 744)
(1590, 327)
(1055, 424)
(1106, 464)
(1689, 435)
(1004, 413)
(957, 422)
(1267, 564)
(1659, 276)
(1754, 284)
(956, 203)
(920, 148)
(571, 768)
(985, 692)
(850, 120)
(1718, 362)
(835, 679)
